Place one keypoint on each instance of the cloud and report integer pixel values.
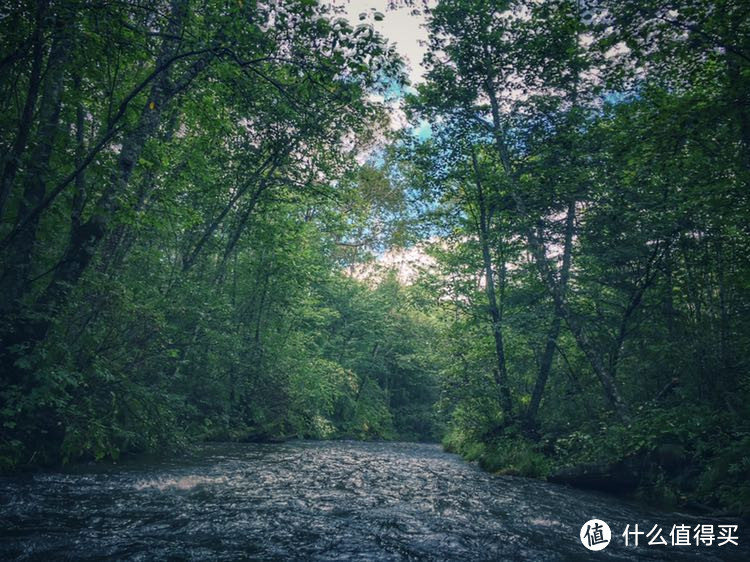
(399, 26)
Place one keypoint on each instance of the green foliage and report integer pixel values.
(504, 454)
(179, 188)
(515, 457)
(726, 478)
(704, 453)
(188, 239)
(587, 166)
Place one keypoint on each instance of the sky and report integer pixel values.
(399, 26)
(407, 31)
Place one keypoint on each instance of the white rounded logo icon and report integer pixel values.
(595, 534)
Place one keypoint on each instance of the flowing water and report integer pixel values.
(319, 501)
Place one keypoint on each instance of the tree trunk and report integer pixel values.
(538, 251)
(20, 255)
(13, 158)
(85, 238)
(501, 372)
(79, 195)
(554, 329)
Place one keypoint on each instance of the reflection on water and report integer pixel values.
(317, 501)
(182, 483)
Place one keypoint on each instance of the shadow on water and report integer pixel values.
(319, 501)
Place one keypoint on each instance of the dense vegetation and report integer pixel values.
(186, 218)
(590, 163)
(180, 203)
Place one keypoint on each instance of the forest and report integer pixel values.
(201, 206)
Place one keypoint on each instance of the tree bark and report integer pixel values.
(85, 238)
(18, 263)
(79, 195)
(538, 251)
(13, 158)
(189, 259)
(501, 371)
(554, 329)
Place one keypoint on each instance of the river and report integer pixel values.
(337, 500)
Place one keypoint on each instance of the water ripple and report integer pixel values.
(316, 501)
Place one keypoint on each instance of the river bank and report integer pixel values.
(671, 459)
